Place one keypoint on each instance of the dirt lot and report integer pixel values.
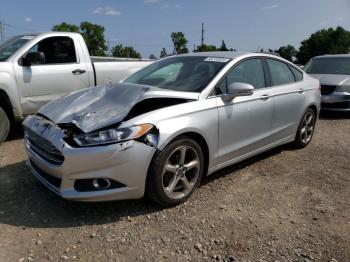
(285, 205)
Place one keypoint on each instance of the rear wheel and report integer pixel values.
(4, 125)
(175, 172)
(306, 129)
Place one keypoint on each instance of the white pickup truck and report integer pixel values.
(37, 68)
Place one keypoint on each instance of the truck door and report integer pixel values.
(60, 73)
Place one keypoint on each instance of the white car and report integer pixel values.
(37, 68)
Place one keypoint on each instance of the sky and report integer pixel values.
(246, 25)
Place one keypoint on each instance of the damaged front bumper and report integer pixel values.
(72, 171)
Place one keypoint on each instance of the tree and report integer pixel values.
(152, 56)
(179, 41)
(94, 38)
(206, 48)
(125, 51)
(223, 46)
(325, 41)
(65, 27)
(163, 53)
(287, 52)
(93, 35)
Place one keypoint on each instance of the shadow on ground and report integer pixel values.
(333, 115)
(16, 132)
(25, 202)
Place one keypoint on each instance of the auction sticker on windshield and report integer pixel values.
(217, 59)
(27, 37)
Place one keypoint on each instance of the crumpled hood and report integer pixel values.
(332, 80)
(97, 107)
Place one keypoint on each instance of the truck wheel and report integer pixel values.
(4, 125)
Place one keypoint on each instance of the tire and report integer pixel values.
(175, 172)
(4, 125)
(306, 129)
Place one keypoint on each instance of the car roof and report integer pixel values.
(222, 54)
(334, 56)
(229, 54)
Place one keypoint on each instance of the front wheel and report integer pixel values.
(4, 125)
(306, 129)
(175, 172)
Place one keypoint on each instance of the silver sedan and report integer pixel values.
(158, 132)
(333, 72)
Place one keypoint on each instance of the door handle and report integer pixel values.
(264, 97)
(78, 71)
(301, 91)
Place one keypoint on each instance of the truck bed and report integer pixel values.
(111, 70)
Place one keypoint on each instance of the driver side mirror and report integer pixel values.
(33, 58)
(238, 89)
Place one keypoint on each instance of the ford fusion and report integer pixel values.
(158, 132)
(333, 71)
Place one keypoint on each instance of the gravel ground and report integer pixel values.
(284, 205)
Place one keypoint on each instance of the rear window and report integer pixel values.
(329, 65)
(280, 72)
(297, 74)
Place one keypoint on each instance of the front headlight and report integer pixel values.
(345, 88)
(113, 135)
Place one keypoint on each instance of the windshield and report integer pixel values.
(10, 46)
(331, 65)
(180, 73)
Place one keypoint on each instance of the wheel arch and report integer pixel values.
(202, 143)
(194, 136)
(313, 107)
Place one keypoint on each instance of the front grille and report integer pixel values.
(44, 148)
(56, 182)
(326, 89)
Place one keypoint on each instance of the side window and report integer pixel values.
(57, 50)
(250, 71)
(297, 74)
(280, 72)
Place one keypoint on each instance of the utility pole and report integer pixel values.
(2, 33)
(202, 34)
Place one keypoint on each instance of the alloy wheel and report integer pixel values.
(180, 172)
(307, 128)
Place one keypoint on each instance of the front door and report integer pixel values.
(244, 122)
(40, 83)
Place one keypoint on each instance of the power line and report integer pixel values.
(139, 44)
(18, 27)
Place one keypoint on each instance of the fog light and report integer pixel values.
(101, 183)
(96, 184)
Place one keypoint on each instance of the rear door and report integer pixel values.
(286, 86)
(61, 73)
(244, 122)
